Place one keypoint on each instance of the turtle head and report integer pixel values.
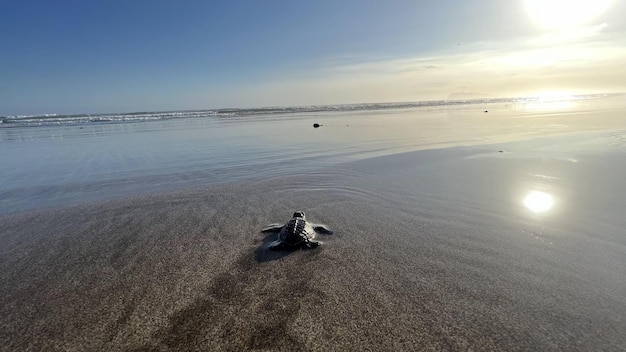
(299, 214)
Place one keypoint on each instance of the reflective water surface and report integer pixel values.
(538, 201)
(48, 166)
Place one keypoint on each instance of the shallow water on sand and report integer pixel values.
(61, 165)
(432, 250)
(500, 246)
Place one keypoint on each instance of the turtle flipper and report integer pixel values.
(312, 244)
(273, 228)
(322, 229)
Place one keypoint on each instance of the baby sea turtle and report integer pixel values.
(297, 233)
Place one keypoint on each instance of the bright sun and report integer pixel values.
(559, 14)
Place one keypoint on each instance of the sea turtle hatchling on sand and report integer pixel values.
(297, 233)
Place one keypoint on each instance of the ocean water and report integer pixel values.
(56, 119)
(52, 160)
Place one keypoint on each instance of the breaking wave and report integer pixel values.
(55, 119)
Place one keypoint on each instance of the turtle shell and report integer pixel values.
(295, 232)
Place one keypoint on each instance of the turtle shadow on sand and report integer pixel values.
(264, 254)
(283, 239)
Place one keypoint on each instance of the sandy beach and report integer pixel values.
(461, 164)
(432, 250)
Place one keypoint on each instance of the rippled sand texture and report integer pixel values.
(432, 250)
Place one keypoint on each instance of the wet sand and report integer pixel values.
(432, 250)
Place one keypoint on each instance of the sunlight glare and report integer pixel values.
(554, 96)
(538, 201)
(550, 101)
(558, 14)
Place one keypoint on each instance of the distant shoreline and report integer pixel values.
(53, 119)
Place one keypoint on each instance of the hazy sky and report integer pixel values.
(131, 55)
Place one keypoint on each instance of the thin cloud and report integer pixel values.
(585, 61)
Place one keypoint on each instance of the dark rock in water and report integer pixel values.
(486, 110)
(500, 151)
(316, 125)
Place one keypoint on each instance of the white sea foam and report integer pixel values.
(55, 119)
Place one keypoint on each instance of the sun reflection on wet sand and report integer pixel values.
(538, 202)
